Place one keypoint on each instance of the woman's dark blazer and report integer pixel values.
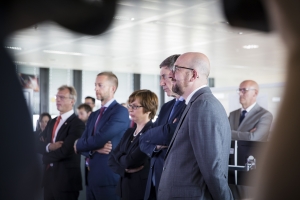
(127, 155)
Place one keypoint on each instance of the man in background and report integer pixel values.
(251, 122)
(62, 175)
(84, 111)
(90, 101)
(155, 141)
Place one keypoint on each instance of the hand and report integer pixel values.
(75, 149)
(54, 146)
(159, 147)
(106, 149)
(252, 130)
(134, 170)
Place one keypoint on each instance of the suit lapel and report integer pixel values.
(237, 115)
(252, 112)
(194, 97)
(136, 140)
(64, 126)
(104, 116)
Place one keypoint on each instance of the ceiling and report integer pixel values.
(145, 32)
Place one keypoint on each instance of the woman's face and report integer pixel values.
(43, 122)
(136, 112)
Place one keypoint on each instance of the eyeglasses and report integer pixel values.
(133, 107)
(244, 90)
(177, 66)
(59, 97)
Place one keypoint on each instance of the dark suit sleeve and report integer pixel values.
(74, 132)
(116, 124)
(160, 135)
(207, 132)
(41, 145)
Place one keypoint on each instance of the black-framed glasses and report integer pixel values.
(244, 90)
(133, 107)
(60, 97)
(177, 66)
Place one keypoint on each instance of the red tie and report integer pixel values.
(55, 126)
(98, 119)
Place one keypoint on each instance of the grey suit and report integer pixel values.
(258, 118)
(196, 163)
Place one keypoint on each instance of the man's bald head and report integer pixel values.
(197, 61)
(248, 93)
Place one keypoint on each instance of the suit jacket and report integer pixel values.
(161, 134)
(196, 163)
(111, 127)
(258, 118)
(127, 155)
(66, 164)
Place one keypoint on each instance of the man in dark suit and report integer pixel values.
(155, 141)
(105, 125)
(196, 162)
(251, 122)
(62, 177)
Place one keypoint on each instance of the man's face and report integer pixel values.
(83, 115)
(166, 80)
(89, 102)
(180, 78)
(103, 88)
(249, 97)
(63, 101)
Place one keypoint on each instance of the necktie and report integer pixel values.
(55, 126)
(102, 109)
(242, 116)
(175, 108)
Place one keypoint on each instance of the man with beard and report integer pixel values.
(155, 141)
(106, 125)
(196, 162)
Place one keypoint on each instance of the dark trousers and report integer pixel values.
(152, 192)
(52, 193)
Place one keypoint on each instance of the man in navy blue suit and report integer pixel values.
(155, 141)
(106, 125)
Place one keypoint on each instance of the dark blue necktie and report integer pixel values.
(175, 108)
(242, 116)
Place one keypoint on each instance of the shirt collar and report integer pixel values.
(180, 98)
(191, 95)
(108, 103)
(249, 108)
(66, 115)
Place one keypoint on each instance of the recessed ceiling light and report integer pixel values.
(65, 53)
(14, 48)
(241, 33)
(251, 46)
(132, 19)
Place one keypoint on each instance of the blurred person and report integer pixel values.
(43, 120)
(90, 101)
(127, 159)
(62, 175)
(84, 111)
(251, 122)
(155, 141)
(105, 126)
(196, 162)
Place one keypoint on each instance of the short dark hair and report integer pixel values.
(111, 76)
(148, 100)
(86, 107)
(43, 115)
(92, 98)
(169, 61)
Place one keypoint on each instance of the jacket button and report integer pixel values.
(164, 168)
